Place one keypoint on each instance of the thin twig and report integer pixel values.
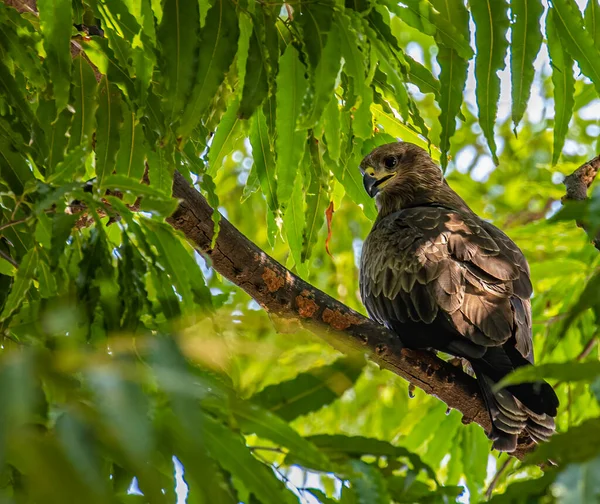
(14, 223)
(588, 348)
(6, 257)
(496, 478)
(584, 353)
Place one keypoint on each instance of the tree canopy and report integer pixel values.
(137, 363)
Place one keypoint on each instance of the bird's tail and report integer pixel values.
(527, 408)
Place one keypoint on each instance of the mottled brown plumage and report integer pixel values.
(442, 278)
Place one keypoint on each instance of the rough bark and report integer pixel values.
(284, 295)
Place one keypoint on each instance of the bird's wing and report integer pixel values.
(429, 264)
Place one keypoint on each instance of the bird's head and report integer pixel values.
(398, 168)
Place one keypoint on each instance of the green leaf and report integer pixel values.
(293, 221)
(81, 449)
(576, 40)
(316, 196)
(438, 19)
(354, 67)
(62, 224)
(315, 20)
(124, 410)
(218, 45)
(325, 63)
(564, 84)
(254, 420)
(108, 119)
(178, 44)
(525, 492)
(340, 447)
(592, 20)
(18, 389)
(578, 444)
(55, 127)
(310, 391)
(421, 77)
(207, 184)
(73, 166)
(55, 23)
(347, 173)
(256, 83)
(263, 158)
(131, 154)
(177, 261)
(22, 118)
(17, 39)
(475, 452)
(229, 131)
(289, 143)
(233, 455)
(397, 128)
(404, 490)
(578, 483)
(124, 183)
(368, 483)
(526, 40)
(13, 167)
(565, 372)
(84, 99)
(491, 20)
(331, 127)
(161, 167)
(23, 279)
(188, 423)
(43, 230)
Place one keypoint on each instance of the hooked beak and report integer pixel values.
(374, 182)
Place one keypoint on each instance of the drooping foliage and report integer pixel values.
(125, 359)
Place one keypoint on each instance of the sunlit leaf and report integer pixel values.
(316, 188)
(177, 38)
(229, 131)
(132, 147)
(578, 444)
(108, 133)
(22, 283)
(55, 22)
(289, 144)
(230, 451)
(491, 21)
(310, 391)
(294, 221)
(322, 41)
(263, 158)
(256, 83)
(576, 40)
(84, 99)
(218, 44)
(563, 81)
(592, 20)
(523, 492)
(368, 484)
(565, 372)
(526, 39)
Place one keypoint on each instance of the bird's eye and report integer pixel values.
(390, 161)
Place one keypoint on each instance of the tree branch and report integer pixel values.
(577, 185)
(283, 294)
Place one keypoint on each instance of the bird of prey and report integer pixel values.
(442, 278)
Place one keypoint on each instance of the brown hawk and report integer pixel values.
(442, 278)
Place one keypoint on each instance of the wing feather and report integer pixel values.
(424, 263)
